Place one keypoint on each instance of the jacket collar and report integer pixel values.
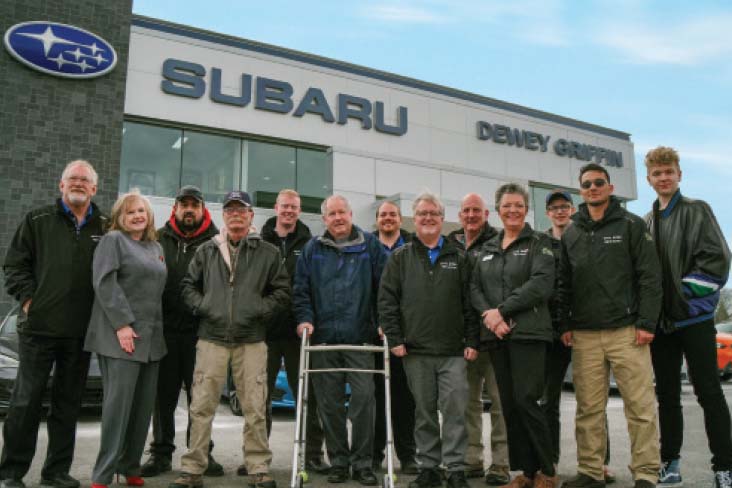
(486, 234)
(670, 207)
(449, 246)
(205, 224)
(221, 240)
(614, 211)
(495, 244)
(269, 234)
(356, 238)
(404, 237)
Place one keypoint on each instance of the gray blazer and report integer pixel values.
(128, 278)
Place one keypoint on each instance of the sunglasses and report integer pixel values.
(599, 183)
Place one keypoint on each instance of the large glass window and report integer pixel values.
(211, 162)
(314, 178)
(538, 202)
(151, 158)
(269, 169)
(159, 160)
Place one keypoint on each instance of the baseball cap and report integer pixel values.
(238, 196)
(189, 191)
(558, 193)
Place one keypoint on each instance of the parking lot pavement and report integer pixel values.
(227, 434)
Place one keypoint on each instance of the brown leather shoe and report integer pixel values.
(520, 481)
(543, 481)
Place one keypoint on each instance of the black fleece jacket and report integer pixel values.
(610, 276)
(426, 306)
(284, 325)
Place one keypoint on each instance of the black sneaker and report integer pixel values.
(214, 468)
(723, 479)
(427, 478)
(242, 470)
(365, 476)
(12, 483)
(155, 465)
(456, 479)
(338, 474)
(317, 465)
(60, 480)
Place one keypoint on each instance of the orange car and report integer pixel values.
(724, 350)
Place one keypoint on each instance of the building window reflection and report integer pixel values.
(158, 160)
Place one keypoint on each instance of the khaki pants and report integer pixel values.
(594, 354)
(249, 371)
(480, 371)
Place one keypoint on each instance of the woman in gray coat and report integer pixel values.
(126, 332)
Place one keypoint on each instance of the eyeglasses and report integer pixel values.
(559, 208)
(599, 183)
(428, 213)
(236, 209)
(79, 179)
(509, 206)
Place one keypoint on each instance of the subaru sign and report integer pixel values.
(60, 49)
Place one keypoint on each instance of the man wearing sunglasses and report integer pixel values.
(695, 260)
(609, 304)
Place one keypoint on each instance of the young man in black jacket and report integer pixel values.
(189, 226)
(392, 237)
(695, 261)
(286, 232)
(425, 312)
(48, 270)
(609, 305)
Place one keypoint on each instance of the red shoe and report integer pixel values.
(98, 485)
(135, 481)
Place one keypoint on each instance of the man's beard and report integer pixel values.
(77, 198)
(194, 225)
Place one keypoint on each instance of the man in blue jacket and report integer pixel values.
(695, 263)
(334, 297)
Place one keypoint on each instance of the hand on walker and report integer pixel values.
(305, 326)
(399, 351)
(126, 336)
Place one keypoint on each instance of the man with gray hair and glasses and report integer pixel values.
(334, 296)
(48, 269)
(425, 312)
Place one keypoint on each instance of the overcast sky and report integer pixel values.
(659, 69)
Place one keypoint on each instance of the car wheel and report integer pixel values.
(234, 403)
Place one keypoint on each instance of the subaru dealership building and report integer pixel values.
(182, 105)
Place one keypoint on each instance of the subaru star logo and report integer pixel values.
(60, 49)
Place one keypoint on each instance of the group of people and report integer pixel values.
(503, 311)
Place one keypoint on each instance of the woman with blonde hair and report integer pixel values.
(126, 332)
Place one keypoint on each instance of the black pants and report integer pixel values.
(558, 357)
(38, 355)
(696, 343)
(519, 368)
(175, 372)
(289, 351)
(402, 412)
